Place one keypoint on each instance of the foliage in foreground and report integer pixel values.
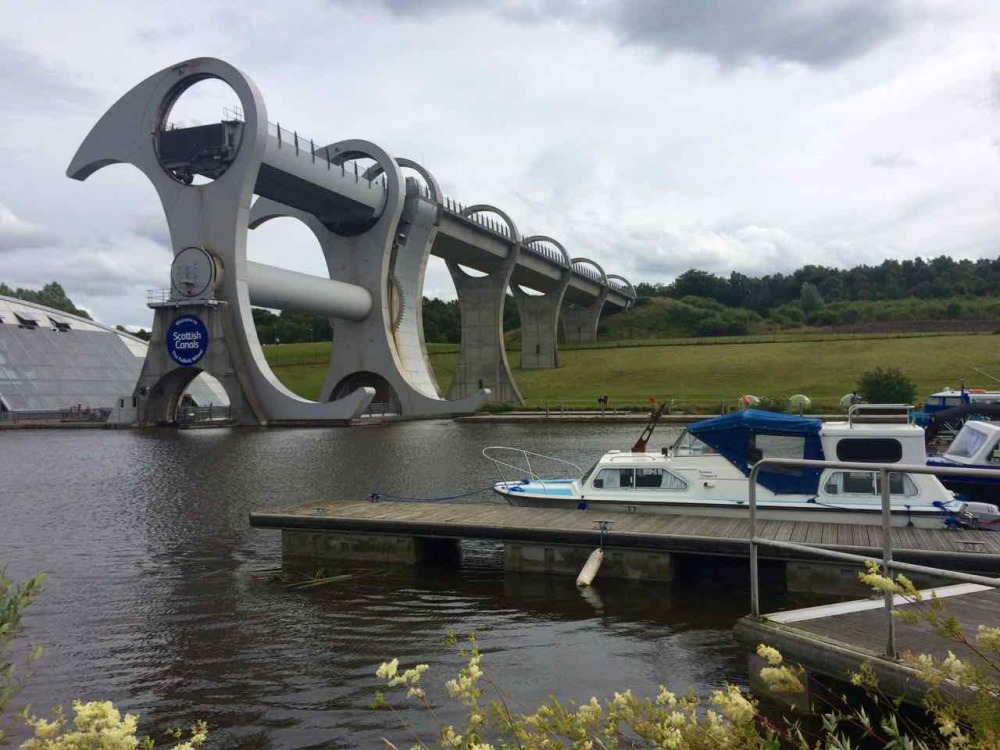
(963, 702)
(14, 599)
(96, 725)
(730, 718)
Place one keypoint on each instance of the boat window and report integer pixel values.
(642, 478)
(777, 446)
(613, 479)
(588, 472)
(874, 450)
(968, 442)
(899, 484)
(859, 482)
(688, 445)
(868, 483)
(659, 479)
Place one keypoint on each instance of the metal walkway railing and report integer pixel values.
(884, 470)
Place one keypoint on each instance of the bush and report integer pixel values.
(888, 386)
(730, 719)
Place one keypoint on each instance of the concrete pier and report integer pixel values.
(832, 641)
(540, 327)
(579, 324)
(568, 560)
(637, 545)
(381, 548)
(482, 356)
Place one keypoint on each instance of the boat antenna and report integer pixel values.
(640, 444)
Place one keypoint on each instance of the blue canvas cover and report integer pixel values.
(734, 436)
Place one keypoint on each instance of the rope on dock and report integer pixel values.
(376, 496)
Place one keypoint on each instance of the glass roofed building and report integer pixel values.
(51, 360)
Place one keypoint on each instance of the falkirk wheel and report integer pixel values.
(376, 228)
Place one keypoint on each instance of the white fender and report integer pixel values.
(590, 569)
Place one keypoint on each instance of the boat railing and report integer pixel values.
(517, 463)
(882, 410)
(884, 470)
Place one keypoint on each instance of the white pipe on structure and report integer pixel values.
(289, 290)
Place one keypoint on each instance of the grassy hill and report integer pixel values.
(702, 374)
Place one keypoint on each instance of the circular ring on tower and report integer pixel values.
(432, 184)
(567, 261)
(338, 154)
(628, 284)
(581, 261)
(486, 208)
(204, 150)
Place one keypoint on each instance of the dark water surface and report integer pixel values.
(161, 598)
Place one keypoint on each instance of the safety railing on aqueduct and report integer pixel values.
(303, 145)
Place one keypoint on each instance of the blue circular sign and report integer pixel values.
(187, 340)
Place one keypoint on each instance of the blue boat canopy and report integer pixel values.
(745, 437)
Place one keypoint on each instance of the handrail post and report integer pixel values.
(890, 623)
(754, 579)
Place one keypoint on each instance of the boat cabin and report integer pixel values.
(746, 437)
(949, 398)
(977, 443)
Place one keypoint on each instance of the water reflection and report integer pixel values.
(162, 598)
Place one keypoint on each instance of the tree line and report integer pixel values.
(699, 303)
(51, 295)
(812, 286)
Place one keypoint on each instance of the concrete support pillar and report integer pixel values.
(638, 565)
(482, 356)
(314, 546)
(540, 326)
(163, 380)
(580, 323)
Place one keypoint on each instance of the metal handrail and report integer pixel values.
(525, 455)
(881, 408)
(884, 470)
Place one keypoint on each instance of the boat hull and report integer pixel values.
(804, 511)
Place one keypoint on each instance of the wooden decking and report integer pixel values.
(835, 640)
(971, 550)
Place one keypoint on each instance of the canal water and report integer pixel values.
(161, 598)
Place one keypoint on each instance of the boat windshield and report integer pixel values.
(688, 445)
(968, 442)
(588, 472)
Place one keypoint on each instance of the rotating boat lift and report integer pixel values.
(376, 229)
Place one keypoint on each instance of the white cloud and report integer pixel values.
(894, 160)
(18, 234)
(650, 136)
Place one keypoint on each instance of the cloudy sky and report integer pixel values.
(651, 136)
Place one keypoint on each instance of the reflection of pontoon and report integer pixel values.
(705, 473)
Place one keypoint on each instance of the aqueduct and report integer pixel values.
(376, 228)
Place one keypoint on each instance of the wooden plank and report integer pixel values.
(845, 535)
(785, 531)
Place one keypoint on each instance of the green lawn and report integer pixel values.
(703, 375)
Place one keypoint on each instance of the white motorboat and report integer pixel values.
(705, 473)
(977, 446)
